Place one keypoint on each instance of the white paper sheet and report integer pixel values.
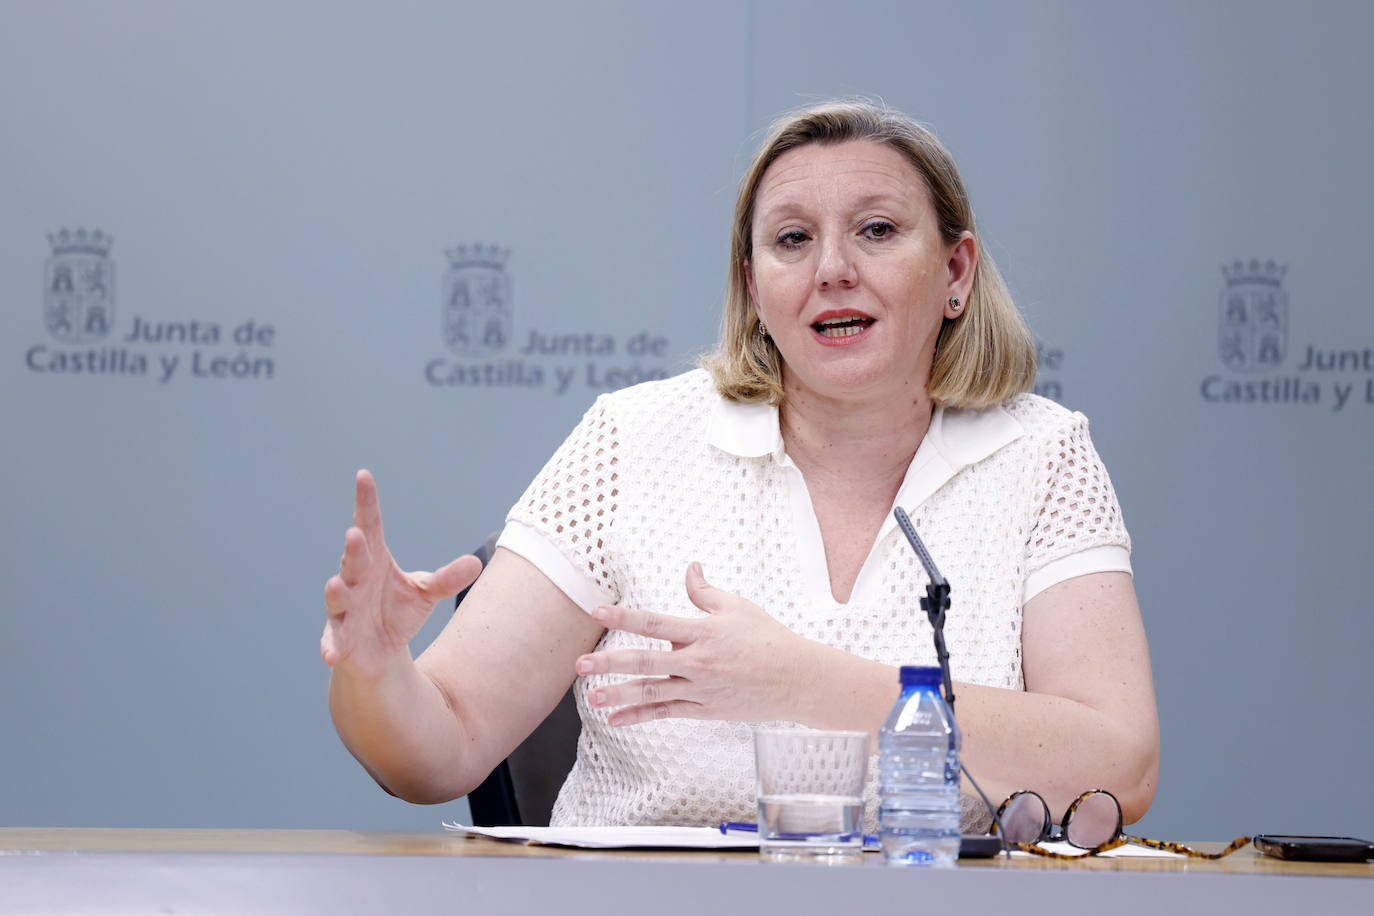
(706, 838)
(616, 837)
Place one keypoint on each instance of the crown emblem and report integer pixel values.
(80, 242)
(1252, 316)
(478, 255)
(78, 286)
(476, 310)
(1269, 273)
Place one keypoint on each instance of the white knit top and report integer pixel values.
(1009, 500)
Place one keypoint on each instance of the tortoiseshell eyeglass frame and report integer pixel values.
(1119, 837)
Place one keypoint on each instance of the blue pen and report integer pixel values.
(871, 840)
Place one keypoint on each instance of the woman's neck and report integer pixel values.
(872, 442)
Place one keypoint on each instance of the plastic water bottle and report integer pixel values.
(918, 747)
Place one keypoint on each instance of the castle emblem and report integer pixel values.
(476, 308)
(78, 286)
(1252, 320)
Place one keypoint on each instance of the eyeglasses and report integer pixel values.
(1093, 823)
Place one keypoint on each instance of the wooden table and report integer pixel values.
(64, 870)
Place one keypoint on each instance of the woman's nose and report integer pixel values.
(836, 265)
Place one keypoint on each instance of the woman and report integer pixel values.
(717, 549)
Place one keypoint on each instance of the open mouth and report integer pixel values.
(844, 326)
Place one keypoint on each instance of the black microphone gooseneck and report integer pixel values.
(936, 601)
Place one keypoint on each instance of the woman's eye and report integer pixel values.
(791, 238)
(878, 229)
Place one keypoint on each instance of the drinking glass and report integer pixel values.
(811, 794)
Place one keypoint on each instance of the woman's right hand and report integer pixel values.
(374, 607)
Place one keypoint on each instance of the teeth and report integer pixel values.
(843, 327)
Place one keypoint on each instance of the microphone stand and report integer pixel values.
(935, 604)
(936, 601)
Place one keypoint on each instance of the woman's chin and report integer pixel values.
(851, 383)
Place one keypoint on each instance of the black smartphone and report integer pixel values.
(976, 846)
(1315, 848)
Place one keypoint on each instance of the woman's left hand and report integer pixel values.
(735, 663)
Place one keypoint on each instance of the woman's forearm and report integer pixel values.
(1056, 746)
(401, 728)
(1012, 739)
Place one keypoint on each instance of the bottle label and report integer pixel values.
(913, 715)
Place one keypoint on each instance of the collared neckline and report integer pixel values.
(744, 430)
(955, 439)
(959, 437)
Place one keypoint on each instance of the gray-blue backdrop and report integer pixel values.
(246, 248)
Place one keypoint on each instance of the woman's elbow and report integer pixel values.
(422, 793)
(1137, 790)
(424, 789)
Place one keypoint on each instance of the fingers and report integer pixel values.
(367, 509)
(335, 593)
(355, 557)
(643, 692)
(702, 593)
(647, 623)
(660, 687)
(646, 699)
(329, 652)
(675, 709)
(640, 662)
(453, 578)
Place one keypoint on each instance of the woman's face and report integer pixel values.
(850, 272)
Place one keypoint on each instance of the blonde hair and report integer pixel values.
(983, 357)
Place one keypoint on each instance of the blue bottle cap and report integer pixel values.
(920, 676)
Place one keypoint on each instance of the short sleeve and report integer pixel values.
(563, 521)
(1077, 527)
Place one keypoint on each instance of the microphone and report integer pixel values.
(936, 601)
